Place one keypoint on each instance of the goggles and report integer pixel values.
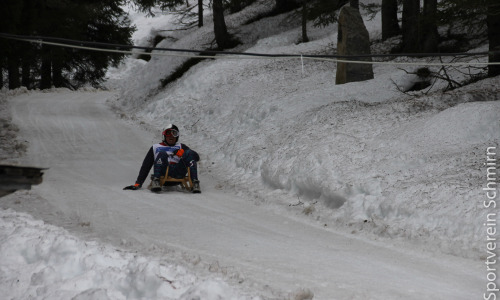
(171, 132)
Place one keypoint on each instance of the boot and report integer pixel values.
(196, 186)
(155, 185)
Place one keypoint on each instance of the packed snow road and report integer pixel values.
(92, 154)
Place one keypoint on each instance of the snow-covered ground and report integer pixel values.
(353, 191)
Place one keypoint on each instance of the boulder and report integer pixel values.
(353, 39)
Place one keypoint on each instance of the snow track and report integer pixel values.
(92, 155)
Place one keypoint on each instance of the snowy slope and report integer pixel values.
(345, 192)
(388, 163)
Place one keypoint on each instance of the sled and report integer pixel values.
(186, 183)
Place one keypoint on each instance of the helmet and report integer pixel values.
(171, 128)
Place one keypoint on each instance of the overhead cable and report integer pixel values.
(213, 54)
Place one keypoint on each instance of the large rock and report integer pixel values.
(353, 39)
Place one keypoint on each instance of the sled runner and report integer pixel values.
(186, 183)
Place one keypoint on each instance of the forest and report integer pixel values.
(423, 28)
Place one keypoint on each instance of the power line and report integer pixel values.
(213, 54)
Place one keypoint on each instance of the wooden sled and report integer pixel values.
(186, 183)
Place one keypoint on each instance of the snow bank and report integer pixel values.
(10, 148)
(41, 261)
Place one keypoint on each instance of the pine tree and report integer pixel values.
(10, 21)
(480, 17)
(99, 21)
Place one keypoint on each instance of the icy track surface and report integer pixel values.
(262, 254)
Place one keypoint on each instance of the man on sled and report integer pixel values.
(173, 163)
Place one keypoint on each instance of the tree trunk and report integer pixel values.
(430, 35)
(390, 26)
(493, 20)
(28, 63)
(13, 68)
(46, 69)
(411, 13)
(57, 78)
(221, 35)
(305, 38)
(200, 13)
(26, 73)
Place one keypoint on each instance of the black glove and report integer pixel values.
(133, 187)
